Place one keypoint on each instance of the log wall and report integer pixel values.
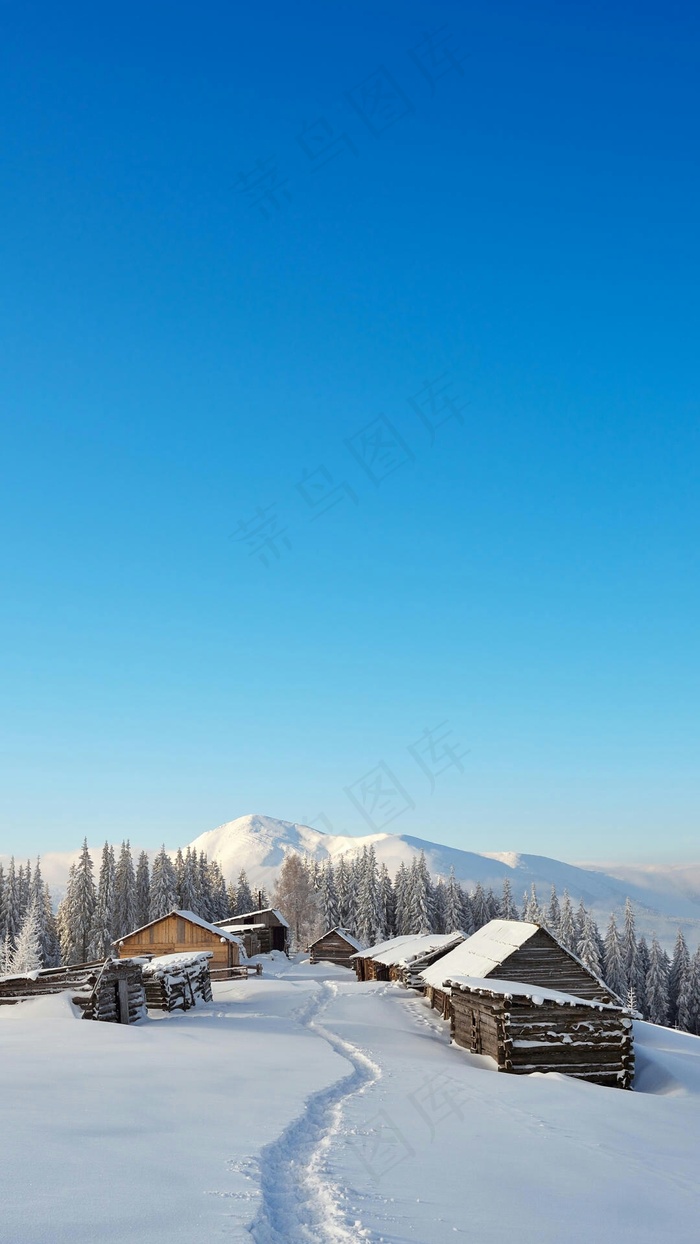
(175, 935)
(179, 985)
(580, 1041)
(332, 948)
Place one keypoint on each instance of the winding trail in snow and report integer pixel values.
(300, 1203)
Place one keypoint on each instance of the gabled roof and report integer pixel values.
(415, 948)
(372, 951)
(244, 915)
(184, 915)
(347, 937)
(481, 953)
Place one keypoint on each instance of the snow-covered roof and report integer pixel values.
(185, 915)
(414, 948)
(347, 937)
(485, 950)
(272, 911)
(240, 928)
(534, 993)
(372, 951)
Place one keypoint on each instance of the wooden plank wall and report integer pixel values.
(541, 961)
(332, 948)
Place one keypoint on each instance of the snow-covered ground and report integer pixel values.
(301, 1106)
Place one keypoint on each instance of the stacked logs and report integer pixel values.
(178, 982)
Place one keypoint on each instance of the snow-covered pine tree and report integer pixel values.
(328, 898)
(634, 978)
(40, 900)
(188, 884)
(532, 912)
(580, 919)
(680, 966)
(386, 898)
(77, 911)
(204, 906)
(553, 913)
(657, 985)
(24, 885)
(454, 905)
(6, 951)
(143, 891)
(492, 905)
(566, 933)
(401, 895)
(614, 973)
(370, 916)
(2, 891)
(26, 956)
(508, 909)
(217, 890)
(163, 898)
(102, 933)
(345, 903)
(421, 902)
(440, 904)
(642, 969)
(125, 915)
(587, 948)
(479, 906)
(244, 896)
(689, 998)
(10, 915)
(179, 866)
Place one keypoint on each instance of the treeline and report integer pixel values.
(360, 896)
(95, 914)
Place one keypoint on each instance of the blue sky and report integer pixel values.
(350, 390)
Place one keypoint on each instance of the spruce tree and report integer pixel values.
(439, 905)
(125, 913)
(421, 902)
(657, 985)
(2, 891)
(163, 886)
(634, 977)
(10, 915)
(454, 905)
(370, 922)
(508, 910)
(143, 891)
(328, 899)
(346, 914)
(479, 906)
(566, 933)
(642, 970)
(26, 956)
(689, 998)
(387, 900)
(204, 906)
(588, 949)
(189, 884)
(401, 896)
(532, 912)
(244, 897)
(77, 911)
(553, 913)
(102, 934)
(614, 973)
(680, 966)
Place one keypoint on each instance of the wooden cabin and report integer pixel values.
(182, 932)
(393, 960)
(336, 946)
(527, 1028)
(272, 930)
(365, 963)
(513, 950)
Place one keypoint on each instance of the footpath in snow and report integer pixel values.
(302, 1106)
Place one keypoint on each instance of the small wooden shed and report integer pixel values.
(526, 1028)
(272, 928)
(336, 946)
(394, 960)
(513, 950)
(182, 932)
(365, 961)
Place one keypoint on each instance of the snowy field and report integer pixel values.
(302, 1106)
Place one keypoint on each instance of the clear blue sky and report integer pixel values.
(237, 243)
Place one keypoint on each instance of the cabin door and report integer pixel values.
(277, 938)
(476, 1032)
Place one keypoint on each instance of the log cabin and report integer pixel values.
(271, 927)
(393, 960)
(336, 946)
(182, 932)
(517, 951)
(526, 1028)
